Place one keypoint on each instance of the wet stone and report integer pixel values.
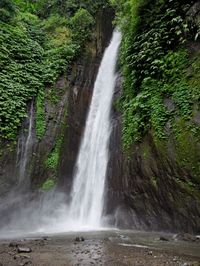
(163, 238)
(79, 239)
(150, 252)
(24, 250)
(46, 238)
(13, 245)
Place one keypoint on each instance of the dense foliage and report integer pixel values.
(7, 10)
(158, 69)
(38, 41)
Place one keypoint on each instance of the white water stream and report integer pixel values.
(89, 180)
(24, 150)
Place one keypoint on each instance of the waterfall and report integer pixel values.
(87, 193)
(49, 213)
(25, 148)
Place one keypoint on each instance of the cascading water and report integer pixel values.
(49, 213)
(25, 148)
(88, 188)
(13, 205)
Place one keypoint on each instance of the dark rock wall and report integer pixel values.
(149, 187)
(55, 116)
(7, 168)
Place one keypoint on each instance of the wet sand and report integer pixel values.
(109, 248)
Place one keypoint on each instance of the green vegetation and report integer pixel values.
(20, 68)
(81, 24)
(156, 66)
(7, 10)
(53, 158)
(38, 41)
(48, 184)
(187, 152)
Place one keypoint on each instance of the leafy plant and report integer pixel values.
(81, 24)
(155, 63)
(35, 51)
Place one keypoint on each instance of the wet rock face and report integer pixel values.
(149, 188)
(7, 170)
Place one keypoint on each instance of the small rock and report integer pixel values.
(13, 245)
(175, 259)
(198, 237)
(24, 250)
(150, 253)
(185, 264)
(79, 239)
(46, 238)
(163, 238)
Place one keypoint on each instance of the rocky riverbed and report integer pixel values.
(109, 248)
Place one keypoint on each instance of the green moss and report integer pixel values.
(187, 153)
(146, 151)
(53, 158)
(48, 184)
(161, 145)
(189, 187)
